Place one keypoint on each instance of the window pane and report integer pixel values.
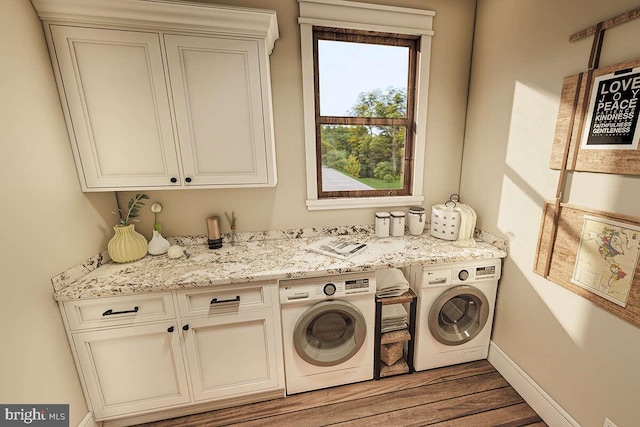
(347, 70)
(362, 157)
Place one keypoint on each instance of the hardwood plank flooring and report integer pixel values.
(469, 395)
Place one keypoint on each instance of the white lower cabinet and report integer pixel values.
(231, 355)
(132, 369)
(139, 356)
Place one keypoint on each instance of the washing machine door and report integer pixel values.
(329, 333)
(458, 315)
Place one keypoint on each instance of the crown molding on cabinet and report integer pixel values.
(169, 15)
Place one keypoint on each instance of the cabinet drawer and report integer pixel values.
(213, 301)
(116, 311)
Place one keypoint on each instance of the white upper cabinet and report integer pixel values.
(117, 101)
(164, 95)
(221, 116)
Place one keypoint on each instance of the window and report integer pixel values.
(365, 77)
(364, 103)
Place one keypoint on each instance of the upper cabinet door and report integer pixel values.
(118, 107)
(222, 102)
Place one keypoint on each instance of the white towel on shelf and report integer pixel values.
(394, 318)
(467, 226)
(390, 283)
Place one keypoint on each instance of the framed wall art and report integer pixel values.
(599, 118)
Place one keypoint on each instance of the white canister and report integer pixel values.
(416, 220)
(382, 224)
(397, 223)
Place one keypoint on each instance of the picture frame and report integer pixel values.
(612, 116)
(578, 113)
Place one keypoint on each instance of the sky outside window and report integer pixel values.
(348, 69)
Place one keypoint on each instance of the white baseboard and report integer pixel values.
(544, 405)
(88, 421)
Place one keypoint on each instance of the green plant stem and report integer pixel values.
(133, 205)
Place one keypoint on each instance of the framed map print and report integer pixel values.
(593, 254)
(607, 258)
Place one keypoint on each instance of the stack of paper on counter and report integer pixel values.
(338, 247)
(390, 283)
(394, 317)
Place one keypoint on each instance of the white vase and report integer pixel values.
(158, 244)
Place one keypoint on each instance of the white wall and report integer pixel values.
(48, 224)
(284, 207)
(581, 355)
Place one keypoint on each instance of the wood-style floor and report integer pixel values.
(469, 395)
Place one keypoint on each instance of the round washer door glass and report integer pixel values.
(458, 315)
(329, 333)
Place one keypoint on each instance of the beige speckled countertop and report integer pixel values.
(259, 256)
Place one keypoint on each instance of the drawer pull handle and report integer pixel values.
(222, 301)
(110, 312)
(170, 329)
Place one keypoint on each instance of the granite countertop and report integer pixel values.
(260, 257)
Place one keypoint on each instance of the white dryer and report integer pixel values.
(328, 330)
(454, 311)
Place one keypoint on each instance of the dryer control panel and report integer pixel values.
(357, 286)
(475, 273)
(326, 288)
(343, 287)
(453, 274)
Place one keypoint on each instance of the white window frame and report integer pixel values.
(367, 17)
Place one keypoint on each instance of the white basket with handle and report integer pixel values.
(445, 221)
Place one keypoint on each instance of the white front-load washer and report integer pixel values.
(328, 330)
(454, 312)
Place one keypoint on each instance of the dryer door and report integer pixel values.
(329, 333)
(458, 315)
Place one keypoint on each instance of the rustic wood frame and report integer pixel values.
(572, 118)
(556, 261)
(620, 19)
(576, 91)
(371, 37)
(561, 224)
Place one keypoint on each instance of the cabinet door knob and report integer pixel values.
(188, 179)
(185, 327)
(170, 329)
(174, 180)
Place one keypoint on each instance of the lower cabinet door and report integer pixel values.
(231, 355)
(132, 369)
